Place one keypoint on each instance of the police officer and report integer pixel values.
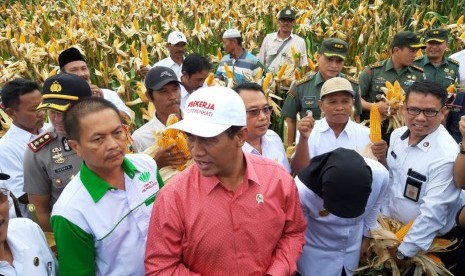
(436, 66)
(304, 94)
(49, 162)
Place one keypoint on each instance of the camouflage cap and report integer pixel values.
(407, 39)
(439, 35)
(334, 47)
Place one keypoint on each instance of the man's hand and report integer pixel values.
(143, 70)
(364, 250)
(379, 150)
(96, 91)
(168, 157)
(305, 126)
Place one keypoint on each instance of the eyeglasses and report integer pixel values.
(4, 195)
(427, 112)
(256, 111)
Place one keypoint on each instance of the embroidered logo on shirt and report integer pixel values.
(144, 177)
(259, 199)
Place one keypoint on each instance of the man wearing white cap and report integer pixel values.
(229, 213)
(176, 46)
(336, 129)
(243, 64)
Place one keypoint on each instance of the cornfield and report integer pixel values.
(110, 33)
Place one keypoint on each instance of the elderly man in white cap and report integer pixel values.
(243, 64)
(176, 46)
(230, 212)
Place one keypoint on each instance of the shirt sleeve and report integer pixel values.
(163, 255)
(440, 197)
(75, 248)
(262, 53)
(364, 82)
(303, 53)
(36, 179)
(113, 97)
(12, 164)
(377, 197)
(289, 247)
(291, 105)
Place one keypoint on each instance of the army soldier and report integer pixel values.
(437, 67)
(398, 67)
(304, 94)
(49, 162)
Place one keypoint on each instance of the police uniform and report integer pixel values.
(447, 72)
(49, 164)
(305, 93)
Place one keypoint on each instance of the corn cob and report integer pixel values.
(132, 47)
(172, 119)
(435, 258)
(219, 55)
(281, 71)
(460, 20)
(266, 81)
(164, 141)
(259, 74)
(181, 144)
(293, 51)
(229, 73)
(403, 231)
(311, 65)
(375, 124)
(451, 89)
(144, 54)
(210, 79)
(297, 75)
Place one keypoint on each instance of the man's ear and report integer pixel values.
(11, 112)
(75, 146)
(242, 136)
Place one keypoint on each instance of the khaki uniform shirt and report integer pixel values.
(305, 93)
(446, 73)
(49, 164)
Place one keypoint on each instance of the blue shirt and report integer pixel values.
(245, 68)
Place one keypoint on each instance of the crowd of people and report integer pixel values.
(243, 207)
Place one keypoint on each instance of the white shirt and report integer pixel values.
(27, 242)
(333, 242)
(118, 221)
(460, 57)
(272, 148)
(169, 62)
(184, 96)
(270, 46)
(113, 97)
(323, 140)
(431, 160)
(144, 136)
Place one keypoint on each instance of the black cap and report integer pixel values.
(439, 35)
(61, 90)
(342, 179)
(69, 55)
(334, 47)
(287, 12)
(408, 39)
(158, 77)
(4, 176)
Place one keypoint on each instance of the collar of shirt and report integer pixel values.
(279, 39)
(390, 66)
(325, 127)
(211, 182)
(19, 132)
(426, 61)
(426, 142)
(319, 79)
(96, 186)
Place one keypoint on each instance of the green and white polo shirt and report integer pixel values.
(100, 230)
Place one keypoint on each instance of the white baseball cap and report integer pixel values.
(176, 37)
(232, 33)
(211, 110)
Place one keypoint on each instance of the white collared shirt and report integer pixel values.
(270, 46)
(272, 148)
(184, 96)
(460, 57)
(333, 242)
(113, 97)
(323, 140)
(144, 136)
(31, 254)
(430, 163)
(169, 62)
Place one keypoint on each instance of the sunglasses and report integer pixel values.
(256, 111)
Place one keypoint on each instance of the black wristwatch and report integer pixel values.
(462, 150)
(400, 256)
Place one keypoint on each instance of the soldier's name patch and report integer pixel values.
(309, 100)
(64, 168)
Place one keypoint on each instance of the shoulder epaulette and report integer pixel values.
(417, 67)
(352, 79)
(38, 143)
(454, 61)
(306, 78)
(376, 65)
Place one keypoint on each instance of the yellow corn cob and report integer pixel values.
(397, 89)
(403, 231)
(132, 47)
(460, 20)
(451, 89)
(462, 36)
(144, 54)
(297, 75)
(266, 81)
(281, 71)
(311, 64)
(229, 73)
(210, 79)
(358, 62)
(181, 144)
(435, 258)
(219, 55)
(419, 53)
(172, 119)
(293, 51)
(136, 24)
(164, 141)
(375, 124)
(158, 38)
(259, 74)
(431, 22)
(22, 39)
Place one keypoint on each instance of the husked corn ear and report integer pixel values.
(403, 231)
(375, 124)
(460, 20)
(281, 71)
(229, 73)
(165, 141)
(144, 54)
(451, 88)
(132, 47)
(210, 79)
(311, 65)
(297, 75)
(172, 119)
(266, 81)
(259, 74)
(181, 144)
(293, 51)
(219, 55)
